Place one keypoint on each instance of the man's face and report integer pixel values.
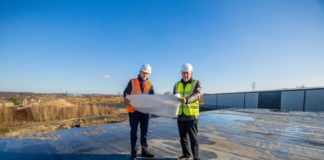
(186, 76)
(144, 75)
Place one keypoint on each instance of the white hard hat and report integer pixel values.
(187, 67)
(146, 68)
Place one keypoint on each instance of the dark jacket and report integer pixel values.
(128, 89)
(194, 97)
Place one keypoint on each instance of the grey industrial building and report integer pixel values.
(299, 99)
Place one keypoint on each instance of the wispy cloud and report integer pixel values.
(106, 76)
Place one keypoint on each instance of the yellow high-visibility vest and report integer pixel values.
(191, 109)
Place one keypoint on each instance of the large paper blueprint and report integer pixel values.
(160, 105)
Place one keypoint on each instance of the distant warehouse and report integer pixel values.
(303, 99)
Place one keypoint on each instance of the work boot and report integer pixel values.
(147, 155)
(183, 158)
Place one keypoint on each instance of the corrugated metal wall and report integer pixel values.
(292, 100)
(314, 100)
(251, 100)
(210, 101)
(270, 100)
(285, 100)
(231, 100)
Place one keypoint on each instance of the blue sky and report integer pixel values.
(96, 46)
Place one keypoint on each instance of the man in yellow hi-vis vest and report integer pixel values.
(188, 113)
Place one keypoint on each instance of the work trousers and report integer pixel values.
(189, 128)
(138, 118)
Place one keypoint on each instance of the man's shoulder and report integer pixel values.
(131, 81)
(197, 81)
(198, 84)
(150, 82)
(177, 82)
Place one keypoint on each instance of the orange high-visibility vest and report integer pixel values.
(136, 90)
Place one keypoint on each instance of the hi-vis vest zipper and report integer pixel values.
(191, 109)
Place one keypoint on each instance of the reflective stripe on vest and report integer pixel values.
(191, 109)
(136, 90)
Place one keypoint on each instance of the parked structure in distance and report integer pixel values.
(299, 99)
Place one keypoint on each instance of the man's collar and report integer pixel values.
(189, 81)
(140, 78)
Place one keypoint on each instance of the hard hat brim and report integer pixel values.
(146, 71)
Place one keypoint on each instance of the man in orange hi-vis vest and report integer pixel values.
(138, 86)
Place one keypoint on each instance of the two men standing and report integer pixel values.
(188, 113)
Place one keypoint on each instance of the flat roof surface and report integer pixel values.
(223, 134)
